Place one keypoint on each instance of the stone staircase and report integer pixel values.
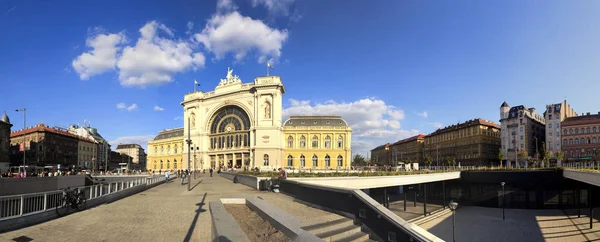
(342, 230)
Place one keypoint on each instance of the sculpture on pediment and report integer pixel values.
(230, 78)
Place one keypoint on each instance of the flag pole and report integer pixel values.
(194, 85)
(267, 68)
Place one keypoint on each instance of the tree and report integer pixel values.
(428, 160)
(546, 156)
(523, 156)
(560, 156)
(359, 160)
(501, 156)
(453, 161)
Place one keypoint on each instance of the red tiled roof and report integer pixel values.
(416, 137)
(44, 128)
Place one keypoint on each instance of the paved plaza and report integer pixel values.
(163, 213)
(485, 224)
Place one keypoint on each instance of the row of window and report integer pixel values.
(230, 141)
(162, 149)
(581, 131)
(168, 165)
(582, 153)
(315, 160)
(582, 141)
(315, 142)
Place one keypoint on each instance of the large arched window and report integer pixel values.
(302, 160)
(570, 131)
(576, 141)
(315, 142)
(594, 129)
(327, 142)
(229, 128)
(327, 161)
(155, 150)
(162, 150)
(582, 130)
(594, 140)
(565, 132)
(175, 149)
(168, 150)
(588, 130)
(290, 160)
(340, 161)
(161, 164)
(302, 141)
(315, 161)
(175, 164)
(340, 142)
(565, 142)
(589, 141)
(570, 141)
(266, 160)
(582, 141)
(290, 141)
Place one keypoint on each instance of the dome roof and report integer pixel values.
(5, 118)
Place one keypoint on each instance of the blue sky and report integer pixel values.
(380, 64)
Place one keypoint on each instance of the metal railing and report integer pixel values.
(590, 166)
(14, 206)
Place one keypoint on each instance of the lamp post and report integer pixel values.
(453, 206)
(24, 110)
(503, 200)
(189, 143)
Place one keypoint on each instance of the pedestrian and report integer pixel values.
(210, 171)
(219, 172)
(182, 177)
(166, 176)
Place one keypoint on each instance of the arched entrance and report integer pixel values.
(229, 137)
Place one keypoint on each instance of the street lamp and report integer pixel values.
(503, 200)
(453, 206)
(24, 110)
(189, 143)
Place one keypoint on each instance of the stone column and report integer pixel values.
(233, 162)
(243, 160)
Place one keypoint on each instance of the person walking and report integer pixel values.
(211, 171)
(182, 177)
(166, 176)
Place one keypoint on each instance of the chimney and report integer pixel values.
(588, 113)
(532, 110)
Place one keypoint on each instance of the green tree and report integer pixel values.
(500, 156)
(359, 160)
(545, 156)
(428, 160)
(560, 156)
(523, 156)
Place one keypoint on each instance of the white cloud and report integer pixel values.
(178, 118)
(226, 6)
(233, 33)
(123, 106)
(275, 7)
(423, 114)
(190, 26)
(101, 58)
(141, 140)
(371, 119)
(157, 108)
(436, 125)
(155, 59)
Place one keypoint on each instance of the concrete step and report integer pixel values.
(320, 228)
(339, 233)
(358, 236)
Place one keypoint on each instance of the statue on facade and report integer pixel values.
(267, 110)
(193, 120)
(230, 78)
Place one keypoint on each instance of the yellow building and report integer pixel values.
(321, 142)
(165, 152)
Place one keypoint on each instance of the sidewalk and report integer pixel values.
(165, 213)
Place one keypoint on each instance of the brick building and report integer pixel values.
(581, 137)
(44, 146)
(410, 150)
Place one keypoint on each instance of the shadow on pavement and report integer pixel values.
(188, 236)
(196, 185)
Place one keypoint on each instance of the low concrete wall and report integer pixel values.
(20, 222)
(224, 227)
(583, 176)
(14, 186)
(251, 181)
(377, 181)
